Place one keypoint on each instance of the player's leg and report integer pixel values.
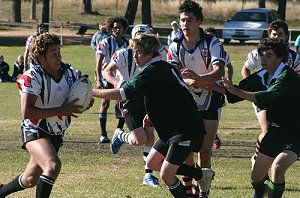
(258, 174)
(103, 120)
(279, 166)
(211, 122)
(263, 123)
(149, 178)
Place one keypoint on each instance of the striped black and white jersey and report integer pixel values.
(50, 94)
(208, 51)
(108, 46)
(124, 60)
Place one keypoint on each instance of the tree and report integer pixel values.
(16, 11)
(261, 3)
(131, 11)
(45, 11)
(281, 8)
(86, 7)
(146, 12)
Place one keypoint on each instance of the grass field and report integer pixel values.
(90, 170)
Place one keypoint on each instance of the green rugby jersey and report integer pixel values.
(169, 104)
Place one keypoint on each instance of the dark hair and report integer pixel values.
(275, 25)
(192, 6)
(278, 46)
(111, 20)
(41, 44)
(211, 30)
(148, 43)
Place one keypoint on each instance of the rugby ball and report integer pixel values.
(81, 89)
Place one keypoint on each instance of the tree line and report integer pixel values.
(86, 7)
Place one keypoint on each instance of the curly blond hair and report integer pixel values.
(41, 44)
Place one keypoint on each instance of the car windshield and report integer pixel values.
(249, 16)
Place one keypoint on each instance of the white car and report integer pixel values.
(249, 24)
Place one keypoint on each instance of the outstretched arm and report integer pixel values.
(110, 94)
(238, 92)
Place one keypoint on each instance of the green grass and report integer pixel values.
(90, 170)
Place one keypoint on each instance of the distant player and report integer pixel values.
(105, 51)
(133, 110)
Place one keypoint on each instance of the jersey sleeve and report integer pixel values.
(253, 60)
(217, 51)
(296, 66)
(29, 83)
(172, 53)
(119, 58)
(277, 89)
(103, 47)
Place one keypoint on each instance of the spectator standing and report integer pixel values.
(40, 29)
(4, 68)
(176, 32)
(18, 68)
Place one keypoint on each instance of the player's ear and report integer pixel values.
(41, 59)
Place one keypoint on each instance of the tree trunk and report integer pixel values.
(86, 7)
(16, 11)
(261, 3)
(282, 8)
(146, 12)
(45, 13)
(131, 11)
(33, 10)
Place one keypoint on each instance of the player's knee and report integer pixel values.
(52, 168)
(30, 181)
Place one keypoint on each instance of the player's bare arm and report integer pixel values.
(30, 111)
(109, 94)
(245, 72)
(238, 92)
(100, 58)
(108, 73)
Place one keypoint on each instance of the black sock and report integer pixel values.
(177, 190)
(275, 190)
(13, 186)
(259, 188)
(44, 187)
(190, 171)
(121, 123)
(102, 119)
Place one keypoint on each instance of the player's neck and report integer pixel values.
(191, 40)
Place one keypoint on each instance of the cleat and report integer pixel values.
(205, 182)
(217, 142)
(104, 139)
(151, 180)
(116, 143)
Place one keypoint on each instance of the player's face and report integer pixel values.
(279, 34)
(140, 57)
(117, 29)
(188, 23)
(52, 61)
(269, 60)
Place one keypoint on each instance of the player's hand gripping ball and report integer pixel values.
(81, 89)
